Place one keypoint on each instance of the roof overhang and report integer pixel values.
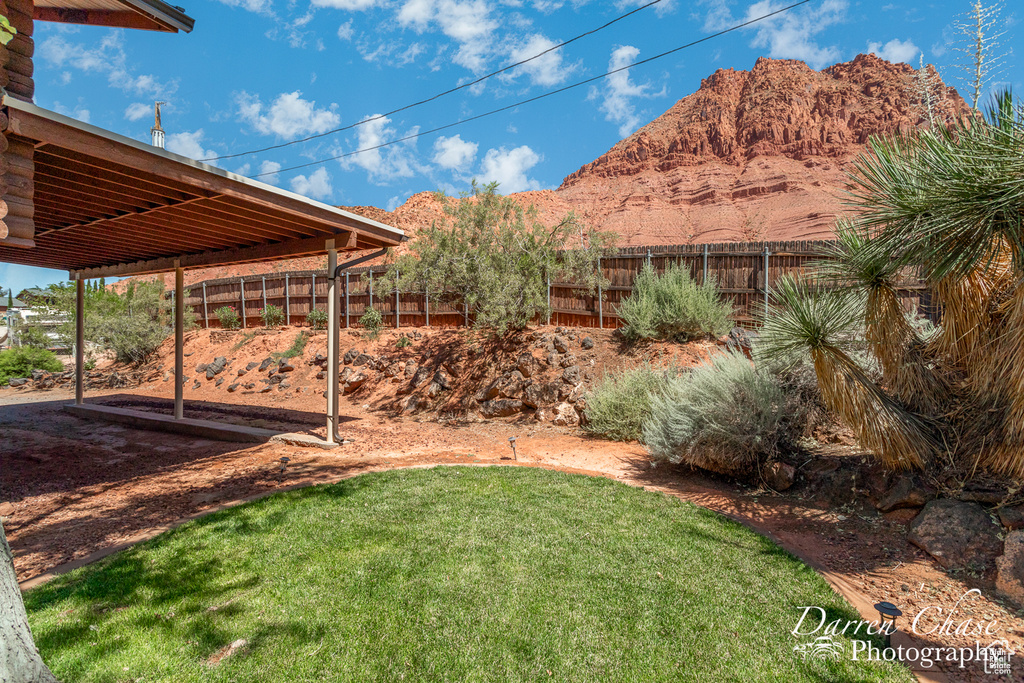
(151, 15)
(106, 205)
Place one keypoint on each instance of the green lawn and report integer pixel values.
(448, 574)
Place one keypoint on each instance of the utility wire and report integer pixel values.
(538, 97)
(440, 94)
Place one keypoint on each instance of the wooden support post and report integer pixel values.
(287, 303)
(397, 321)
(241, 292)
(333, 333)
(179, 340)
(206, 316)
(600, 296)
(79, 340)
(346, 300)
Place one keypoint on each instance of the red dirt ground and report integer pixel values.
(70, 487)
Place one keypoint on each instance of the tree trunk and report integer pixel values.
(20, 661)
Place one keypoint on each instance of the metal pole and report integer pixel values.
(241, 290)
(206, 317)
(179, 339)
(287, 303)
(371, 288)
(264, 279)
(312, 291)
(648, 257)
(332, 343)
(79, 339)
(465, 313)
(397, 325)
(704, 272)
(600, 303)
(549, 298)
(426, 297)
(766, 255)
(346, 300)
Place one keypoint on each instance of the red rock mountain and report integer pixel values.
(752, 155)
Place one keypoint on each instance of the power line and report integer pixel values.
(538, 97)
(440, 94)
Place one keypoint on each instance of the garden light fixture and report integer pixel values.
(512, 445)
(887, 614)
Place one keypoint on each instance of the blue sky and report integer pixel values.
(256, 73)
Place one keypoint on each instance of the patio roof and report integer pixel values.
(152, 15)
(107, 205)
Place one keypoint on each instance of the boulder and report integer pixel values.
(958, 534)
(232, 388)
(572, 375)
(420, 377)
(250, 366)
(355, 381)
(38, 374)
(489, 392)
(587, 343)
(779, 475)
(568, 360)
(560, 343)
(285, 366)
(502, 407)
(350, 356)
(267, 362)
(527, 365)
(242, 371)
(1010, 568)
(220, 380)
(904, 493)
(1012, 518)
(18, 381)
(511, 385)
(362, 359)
(541, 394)
(564, 415)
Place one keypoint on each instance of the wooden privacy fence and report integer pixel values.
(744, 271)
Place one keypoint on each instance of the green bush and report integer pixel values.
(317, 319)
(34, 336)
(402, 342)
(21, 361)
(620, 403)
(372, 322)
(673, 306)
(296, 349)
(725, 416)
(272, 315)
(228, 317)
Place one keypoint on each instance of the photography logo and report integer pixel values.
(822, 647)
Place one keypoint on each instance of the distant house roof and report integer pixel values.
(152, 15)
(15, 303)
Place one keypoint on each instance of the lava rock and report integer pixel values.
(285, 366)
(1010, 568)
(250, 366)
(904, 493)
(560, 344)
(38, 374)
(571, 375)
(362, 359)
(17, 381)
(779, 475)
(220, 380)
(410, 369)
(1012, 518)
(489, 392)
(568, 359)
(196, 385)
(266, 389)
(201, 367)
(321, 375)
(267, 362)
(587, 343)
(502, 407)
(241, 372)
(345, 374)
(565, 415)
(740, 340)
(958, 534)
(355, 381)
(527, 365)
(350, 356)
(541, 394)
(232, 388)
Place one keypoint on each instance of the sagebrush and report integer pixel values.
(619, 403)
(672, 305)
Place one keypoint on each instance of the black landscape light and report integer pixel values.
(512, 445)
(284, 462)
(887, 613)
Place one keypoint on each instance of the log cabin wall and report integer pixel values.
(17, 226)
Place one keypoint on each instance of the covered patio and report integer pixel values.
(105, 205)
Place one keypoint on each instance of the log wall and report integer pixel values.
(17, 226)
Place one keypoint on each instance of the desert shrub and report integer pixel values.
(372, 323)
(620, 402)
(22, 360)
(272, 316)
(402, 342)
(317, 319)
(296, 349)
(34, 336)
(725, 416)
(494, 256)
(228, 317)
(673, 306)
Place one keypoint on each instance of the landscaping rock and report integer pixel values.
(242, 371)
(196, 385)
(564, 415)
(587, 343)
(38, 374)
(1010, 568)
(527, 365)
(1012, 518)
(220, 380)
(984, 496)
(904, 493)
(282, 386)
(571, 375)
(740, 340)
(420, 378)
(489, 392)
(320, 359)
(958, 534)
(201, 367)
(267, 362)
(560, 343)
(285, 366)
(266, 389)
(779, 475)
(568, 360)
(502, 407)
(552, 359)
(232, 388)
(18, 381)
(355, 381)
(410, 369)
(321, 375)
(362, 359)
(511, 385)
(250, 366)
(350, 356)
(541, 394)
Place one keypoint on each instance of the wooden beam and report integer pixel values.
(99, 17)
(293, 248)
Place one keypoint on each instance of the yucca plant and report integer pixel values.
(951, 203)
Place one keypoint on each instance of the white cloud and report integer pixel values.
(620, 91)
(789, 35)
(316, 186)
(77, 112)
(383, 164)
(104, 57)
(468, 22)
(454, 153)
(345, 31)
(509, 168)
(547, 70)
(137, 110)
(189, 145)
(348, 5)
(268, 172)
(288, 116)
(895, 50)
(258, 6)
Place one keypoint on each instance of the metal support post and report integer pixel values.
(179, 339)
(264, 279)
(549, 298)
(312, 291)
(704, 272)
(600, 296)
(397, 321)
(426, 299)
(206, 316)
(79, 339)
(287, 303)
(332, 343)
(766, 255)
(241, 291)
(371, 289)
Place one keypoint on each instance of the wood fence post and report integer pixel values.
(241, 295)
(206, 317)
